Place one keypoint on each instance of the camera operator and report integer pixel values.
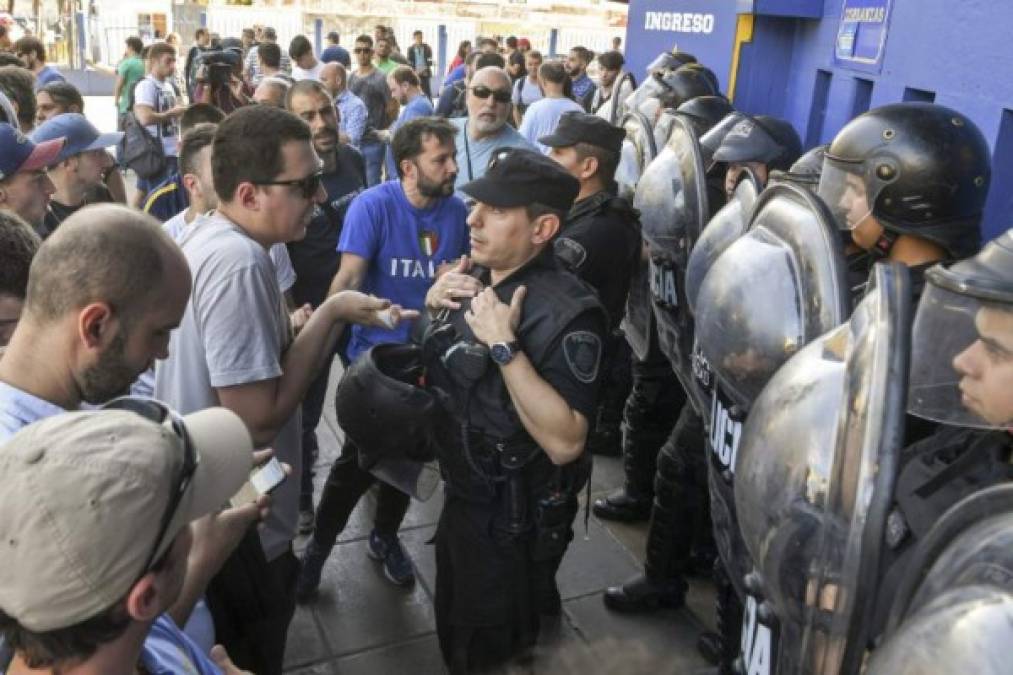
(220, 81)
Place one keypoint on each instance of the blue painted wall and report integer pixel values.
(956, 52)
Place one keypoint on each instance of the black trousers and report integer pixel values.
(312, 410)
(486, 590)
(252, 602)
(346, 483)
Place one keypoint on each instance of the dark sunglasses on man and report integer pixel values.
(498, 95)
(308, 186)
(363, 50)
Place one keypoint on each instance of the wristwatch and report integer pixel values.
(503, 353)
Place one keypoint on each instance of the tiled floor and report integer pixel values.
(362, 625)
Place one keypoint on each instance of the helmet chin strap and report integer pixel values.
(881, 249)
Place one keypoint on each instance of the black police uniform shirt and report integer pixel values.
(315, 258)
(600, 243)
(935, 473)
(570, 365)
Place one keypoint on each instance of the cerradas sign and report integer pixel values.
(679, 22)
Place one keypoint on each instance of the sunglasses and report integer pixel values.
(159, 413)
(308, 186)
(362, 50)
(498, 95)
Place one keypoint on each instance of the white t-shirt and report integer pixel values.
(307, 74)
(176, 227)
(543, 116)
(234, 331)
(526, 92)
(160, 97)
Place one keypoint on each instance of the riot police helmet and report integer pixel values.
(704, 112)
(712, 140)
(707, 73)
(382, 406)
(669, 60)
(920, 169)
(962, 360)
(669, 89)
(806, 171)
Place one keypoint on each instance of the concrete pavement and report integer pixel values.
(362, 624)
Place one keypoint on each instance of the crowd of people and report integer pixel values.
(473, 258)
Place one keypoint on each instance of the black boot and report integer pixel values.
(623, 505)
(641, 594)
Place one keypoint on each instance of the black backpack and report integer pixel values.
(139, 150)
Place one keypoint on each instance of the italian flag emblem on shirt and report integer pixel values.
(428, 242)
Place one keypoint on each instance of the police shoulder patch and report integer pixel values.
(582, 350)
(571, 252)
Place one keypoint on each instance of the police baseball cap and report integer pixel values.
(518, 177)
(760, 139)
(19, 153)
(89, 499)
(579, 127)
(80, 134)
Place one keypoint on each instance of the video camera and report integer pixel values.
(216, 66)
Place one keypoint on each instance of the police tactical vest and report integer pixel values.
(484, 410)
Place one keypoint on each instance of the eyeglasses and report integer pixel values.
(159, 414)
(308, 186)
(498, 95)
(362, 50)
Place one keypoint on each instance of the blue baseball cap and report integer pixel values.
(81, 134)
(19, 153)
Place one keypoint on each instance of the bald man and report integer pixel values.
(271, 91)
(352, 113)
(104, 291)
(103, 294)
(485, 128)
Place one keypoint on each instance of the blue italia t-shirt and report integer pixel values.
(404, 247)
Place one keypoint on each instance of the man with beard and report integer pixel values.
(583, 86)
(80, 167)
(107, 289)
(485, 128)
(235, 348)
(316, 257)
(395, 238)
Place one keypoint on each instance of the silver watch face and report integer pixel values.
(501, 352)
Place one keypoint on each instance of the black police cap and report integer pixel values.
(580, 127)
(518, 177)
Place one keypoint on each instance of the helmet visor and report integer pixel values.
(845, 190)
(962, 361)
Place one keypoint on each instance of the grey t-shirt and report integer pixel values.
(473, 156)
(375, 93)
(234, 331)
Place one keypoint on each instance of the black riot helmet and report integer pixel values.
(669, 61)
(668, 89)
(920, 169)
(805, 172)
(963, 329)
(383, 408)
(703, 112)
(707, 73)
(683, 85)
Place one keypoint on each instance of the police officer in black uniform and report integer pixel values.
(520, 362)
(961, 377)
(679, 540)
(600, 243)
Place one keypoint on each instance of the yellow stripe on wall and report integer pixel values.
(743, 34)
